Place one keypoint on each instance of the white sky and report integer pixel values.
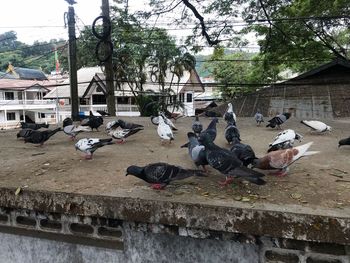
(42, 20)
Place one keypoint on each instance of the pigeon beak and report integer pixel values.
(126, 174)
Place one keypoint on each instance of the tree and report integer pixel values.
(299, 34)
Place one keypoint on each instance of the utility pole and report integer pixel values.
(72, 61)
(108, 64)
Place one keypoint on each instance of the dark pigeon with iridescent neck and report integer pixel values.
(160, 175)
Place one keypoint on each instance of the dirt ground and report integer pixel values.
(322, 180)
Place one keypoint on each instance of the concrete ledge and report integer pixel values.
(292, 222)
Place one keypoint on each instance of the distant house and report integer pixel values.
(22, 100)
(319, 93)
(92, 93)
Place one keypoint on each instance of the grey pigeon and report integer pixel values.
(259, 118)
(197, 126)
(127, 125)
(227, 163)
(244, 152)
(232, 133)
(67, 121)
(196, 151)
(160, 175)
(39, 137)
(211, 130)
(343, 142)
(278, 120)
(90, 145)
(73, 130)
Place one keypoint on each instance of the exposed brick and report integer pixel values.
(281, 257)
(327, 248)
(315, 260)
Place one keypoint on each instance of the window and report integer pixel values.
(123, 100)
(11, 116)
(9, 96)
(182, 97)
(41, 115)
(189, 97)
(98, 99)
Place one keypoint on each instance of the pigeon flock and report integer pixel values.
(236, 162)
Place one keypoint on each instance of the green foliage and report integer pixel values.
(40, 55)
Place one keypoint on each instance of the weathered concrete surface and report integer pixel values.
(294, 222)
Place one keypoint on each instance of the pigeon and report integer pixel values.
(244, 152)
(33, 126)
(197, 126)
(67, 121)
(284, 140)
(278, 120)
(90, 145)
(196, 151)
(317, 126)
(73, 130)
(24, 133)
(39, 137)
(259, 118)
(211, 129)
(103, 113)
(343, 142)
(282, 159)
(155, 121)
(232, 133)
(227, 163)
(164, 130)
(122, 134)
(160, 174)
(229, 115)
(93, 122)
(122, 124)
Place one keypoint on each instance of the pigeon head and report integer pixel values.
(191, 134)
(329, 128)
(287, 114)
(135, 170)
(205, 139)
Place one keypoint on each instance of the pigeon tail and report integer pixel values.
(53, 132)
(248, 174)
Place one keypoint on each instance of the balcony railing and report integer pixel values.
(26, 102)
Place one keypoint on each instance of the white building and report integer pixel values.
(92, 90)
(21, 98)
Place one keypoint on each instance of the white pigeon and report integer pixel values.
(121, 134)
(155, 121)
(317, 126)
(164, 130)
(73, 130)
(284, 140)
(229, 114)
(90, 145)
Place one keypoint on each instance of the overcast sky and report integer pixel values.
(42, 20)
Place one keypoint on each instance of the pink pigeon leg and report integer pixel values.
(158, 186)
(229, 180)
